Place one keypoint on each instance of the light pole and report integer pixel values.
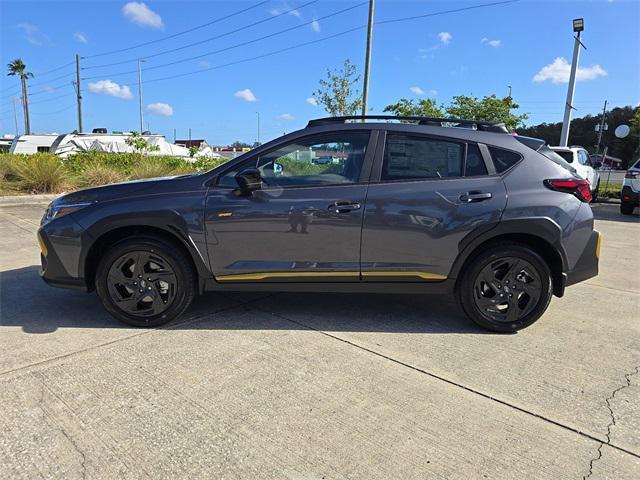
(78, 93)
(15, 115)
(140, 94)
(367, 59)
(578, 28)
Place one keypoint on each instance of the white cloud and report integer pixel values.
(285, 7)
(491, 43)
(312, 101)
(80, 37)
(286, 116)
(140, 14)
(246, 95)
(204, 64)
(559, 70)
(315, 25)
(32, 34)
(159, 108)
(49, 89)
(417, 90)
(445, 37)
(107, 87)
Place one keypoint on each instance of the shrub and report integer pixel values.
(151, 167)
(207, 163)
(97, 173)
(41, 173)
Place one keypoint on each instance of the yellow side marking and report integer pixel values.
(422, 275)
(598, 242)
(264, 275)
(43, 247)
(225, 214)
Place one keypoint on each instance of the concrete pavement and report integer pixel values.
(306, 386)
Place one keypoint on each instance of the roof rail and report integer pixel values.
(436, 121)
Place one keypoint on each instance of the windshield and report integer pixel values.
(556, 157)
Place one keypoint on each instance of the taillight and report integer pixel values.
(578, 187)
(632, 175)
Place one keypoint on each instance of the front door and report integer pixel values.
(304, 224)
(429, 194)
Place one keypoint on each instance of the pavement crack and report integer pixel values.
(612, 421)
(468, 388)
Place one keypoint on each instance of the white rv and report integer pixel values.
(33, 143)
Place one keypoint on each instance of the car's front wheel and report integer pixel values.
(506, 288)
(145, 282)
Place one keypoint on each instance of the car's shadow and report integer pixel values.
(27, 302)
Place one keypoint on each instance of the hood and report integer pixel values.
(115, 190)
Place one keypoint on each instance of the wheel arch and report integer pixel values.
(168, 233)
(541, 235)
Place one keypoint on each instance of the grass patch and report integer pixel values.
(609, 190)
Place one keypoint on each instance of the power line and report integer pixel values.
(209, 39)
(69, 74)
(179, 33)
(323, 39)
(248, 42)
(53, 113)
(42, 74)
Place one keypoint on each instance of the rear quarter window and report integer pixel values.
(503, 160)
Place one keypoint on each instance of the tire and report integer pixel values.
(626, 208)
(145, 282)
(488, 283)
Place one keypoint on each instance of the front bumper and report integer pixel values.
(629, 196)
(587, 265)
(61, 253)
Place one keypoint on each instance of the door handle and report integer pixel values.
(472, 197)
(343, 206)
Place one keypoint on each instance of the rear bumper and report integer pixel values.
(587, 265)
(629, 196)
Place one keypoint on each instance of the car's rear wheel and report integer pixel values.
(145, 282)
(626, 208)
(506, 288)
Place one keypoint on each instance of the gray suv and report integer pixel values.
(428, 205)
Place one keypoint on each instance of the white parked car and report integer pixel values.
(630, 189)
(579, 159)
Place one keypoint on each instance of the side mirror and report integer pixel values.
(249, 180)
(597, 165)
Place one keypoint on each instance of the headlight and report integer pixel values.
(56, 211)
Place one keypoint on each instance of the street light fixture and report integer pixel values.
(578, 25)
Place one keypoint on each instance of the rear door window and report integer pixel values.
(413, 158)
(503, 160)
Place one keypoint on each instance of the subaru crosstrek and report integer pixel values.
(424, 206)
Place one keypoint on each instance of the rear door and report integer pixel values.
(427, 193)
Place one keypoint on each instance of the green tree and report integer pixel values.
(17, 68)
(193, 149)
(239, 144)
(140, 144)
(490, 109)
(337, 93)
(426, 107)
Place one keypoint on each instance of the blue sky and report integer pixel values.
(527, 45)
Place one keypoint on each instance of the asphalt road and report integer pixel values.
(319, 386)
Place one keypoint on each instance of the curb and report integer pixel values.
(26, 199)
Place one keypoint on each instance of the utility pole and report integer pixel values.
(509, 90)
(174, 135)
(258, 137)
(189, 136)
(78, 93)
(604, 116)
(367, 60)
(140, 94)
(15, 115)
(578, 27)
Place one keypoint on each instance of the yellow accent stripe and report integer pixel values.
(598, 242)
(422, 275)
(264, 275)
(225, 214)
(43, 247)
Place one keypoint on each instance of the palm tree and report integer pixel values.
(17, 68)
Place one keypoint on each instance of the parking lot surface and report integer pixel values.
(313, 386)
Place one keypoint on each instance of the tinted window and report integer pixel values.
(407, 158)
(503, 159)
(567, 155)
(475, 163)
(319, 160)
